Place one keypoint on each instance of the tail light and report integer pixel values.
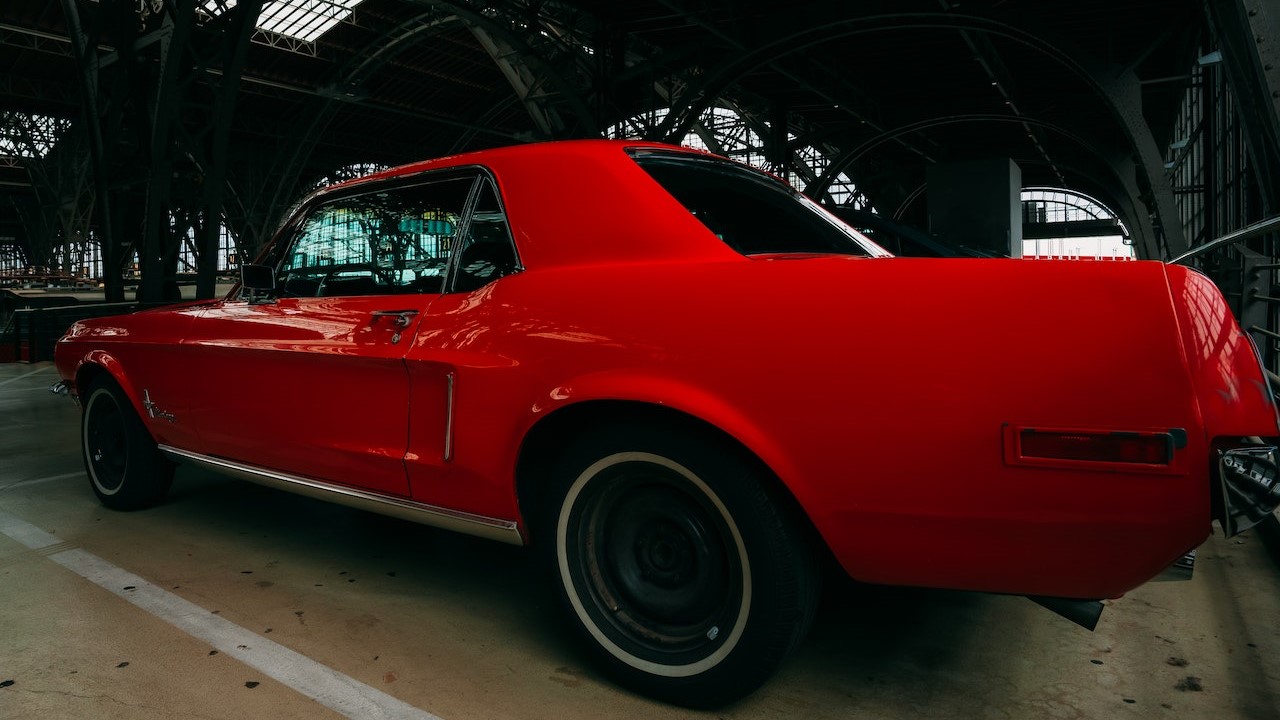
(1111, 447)
(1152, 451)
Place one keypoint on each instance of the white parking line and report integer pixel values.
(23, 375)
(336, 691)
(37, 481)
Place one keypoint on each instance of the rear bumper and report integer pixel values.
(1248, 487)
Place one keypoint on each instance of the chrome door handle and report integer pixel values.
(402, 317)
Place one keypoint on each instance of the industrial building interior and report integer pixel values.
(150, 148)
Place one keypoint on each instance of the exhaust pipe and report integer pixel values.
(1084, 613)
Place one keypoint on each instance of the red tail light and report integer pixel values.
(1107, 447)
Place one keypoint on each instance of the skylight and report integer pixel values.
(304, 20)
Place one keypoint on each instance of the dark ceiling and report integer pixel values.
(1080, 93)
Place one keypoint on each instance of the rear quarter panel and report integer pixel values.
(878, 391)
(1235, 397)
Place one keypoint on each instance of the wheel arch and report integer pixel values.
(544, 442)
(99, 364)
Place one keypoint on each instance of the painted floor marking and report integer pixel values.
(37, 481)
(336, 691)
(23, 375)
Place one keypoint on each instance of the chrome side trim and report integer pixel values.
(486, 527)
(448, 417)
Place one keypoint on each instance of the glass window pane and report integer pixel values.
(394, 240)
(487, 250)
(750, 212)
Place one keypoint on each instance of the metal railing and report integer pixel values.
(31, 333)
(1248, 232)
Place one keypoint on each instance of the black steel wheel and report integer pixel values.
(685, 576)
(125, 469)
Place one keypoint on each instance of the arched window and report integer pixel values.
(1057, 222)
(79, 257)
(12, 259)
(228, 252)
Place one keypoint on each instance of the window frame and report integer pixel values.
(733, 168)
(289, 234)
(464, 232)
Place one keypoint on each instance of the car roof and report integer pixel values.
(529, 152)
(579, 202)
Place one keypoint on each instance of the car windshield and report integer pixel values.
(752, 212)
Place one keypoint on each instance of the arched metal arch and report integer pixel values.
(752, 121)
(537, 65)
(385, 48)
(844, 160)
(1074, 193)
(717, 81)
(1126, 210)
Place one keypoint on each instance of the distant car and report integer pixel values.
(901, 239)
(686, 384)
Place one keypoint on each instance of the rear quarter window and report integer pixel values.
(750, 211)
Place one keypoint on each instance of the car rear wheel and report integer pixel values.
(686, 576)
(125, 469)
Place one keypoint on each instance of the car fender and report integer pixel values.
(114, 368)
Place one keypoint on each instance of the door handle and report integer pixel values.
(402, 317)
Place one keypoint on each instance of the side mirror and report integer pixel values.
(257, 282)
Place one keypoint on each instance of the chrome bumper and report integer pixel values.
(1248, 485)
(62, 387)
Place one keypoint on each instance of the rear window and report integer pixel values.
(752, 212)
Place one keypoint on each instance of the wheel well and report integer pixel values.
(544, 443)
(86, 375)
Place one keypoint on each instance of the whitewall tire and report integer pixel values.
(680, 568)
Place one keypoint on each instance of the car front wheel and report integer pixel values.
(125, 469)
(687, 577)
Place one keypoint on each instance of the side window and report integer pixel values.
(385, 241)
(487, 252)
(749, 211)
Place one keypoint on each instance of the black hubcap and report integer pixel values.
(660, 566)
(106, 442)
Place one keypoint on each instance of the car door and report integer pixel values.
(311, 381)
(454, 373)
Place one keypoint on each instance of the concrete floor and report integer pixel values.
(462, 628)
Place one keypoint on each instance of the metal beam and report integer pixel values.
(526, 87)
(1255, 84)
(1117, 94)
(240, 26)
(85, 54)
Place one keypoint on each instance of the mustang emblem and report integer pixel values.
(154, 410)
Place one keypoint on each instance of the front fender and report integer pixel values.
(103, 361)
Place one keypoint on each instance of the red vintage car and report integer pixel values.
(689, 387)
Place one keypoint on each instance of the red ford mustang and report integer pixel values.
(687, 385)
